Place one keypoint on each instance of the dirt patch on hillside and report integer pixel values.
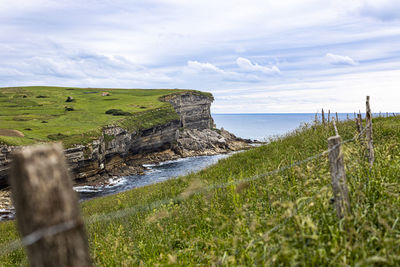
(7, 132)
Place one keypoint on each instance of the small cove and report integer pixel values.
(155, 173)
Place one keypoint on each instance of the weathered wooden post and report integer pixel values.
(359, 124)
(323, 117)
(338, 176)
(370, 142)
(47, 208)
(337, 117)
(329, 115)
(334, 126)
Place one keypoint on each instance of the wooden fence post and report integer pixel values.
(47, 208)
(338, 176)
(359, 124)
(329, 115)
(334, 126)
(337, 117)
(370, 142)
(323, 117)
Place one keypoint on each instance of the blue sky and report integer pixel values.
(253, 55)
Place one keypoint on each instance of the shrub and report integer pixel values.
(118, 112)
(58, 136)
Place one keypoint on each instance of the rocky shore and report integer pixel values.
(190, 143)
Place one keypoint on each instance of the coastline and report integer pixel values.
(136, 164)
(123, 150)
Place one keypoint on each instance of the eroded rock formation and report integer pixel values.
(119, 152)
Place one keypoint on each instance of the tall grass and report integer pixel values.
(282, 219)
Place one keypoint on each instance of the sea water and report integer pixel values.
(262, 126)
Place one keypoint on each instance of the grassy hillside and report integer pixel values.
(282, 219)
(41, 114)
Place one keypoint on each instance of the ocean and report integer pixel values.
(262, 126)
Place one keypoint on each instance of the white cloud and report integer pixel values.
(340, 60)
(247, 65)
(198, 66)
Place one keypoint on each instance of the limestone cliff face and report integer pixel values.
(117, 145)
(193, 109)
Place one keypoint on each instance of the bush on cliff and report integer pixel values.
(118, 112)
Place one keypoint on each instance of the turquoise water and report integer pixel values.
(262, 126)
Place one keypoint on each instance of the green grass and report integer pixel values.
(282, 219)
(41, 114)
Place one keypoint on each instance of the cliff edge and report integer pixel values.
(122, 150)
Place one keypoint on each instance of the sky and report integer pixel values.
(255, 56)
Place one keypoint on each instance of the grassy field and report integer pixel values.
(283, 219)
(42, 114)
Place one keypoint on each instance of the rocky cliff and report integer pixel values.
(119, 151)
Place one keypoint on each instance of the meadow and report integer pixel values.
(43, 114)
(220, 217)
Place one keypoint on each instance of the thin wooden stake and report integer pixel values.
(329, 115)
(47, 208)
(337, 117)
(370, 141)
(338, 176)
(323, 117)
(334, 126)
(359, 124)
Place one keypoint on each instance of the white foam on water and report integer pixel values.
(87, 189)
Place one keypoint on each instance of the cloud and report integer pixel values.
(247, 65)
(188, 44)
(340, 60)
(208, 67)
(384, 10)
